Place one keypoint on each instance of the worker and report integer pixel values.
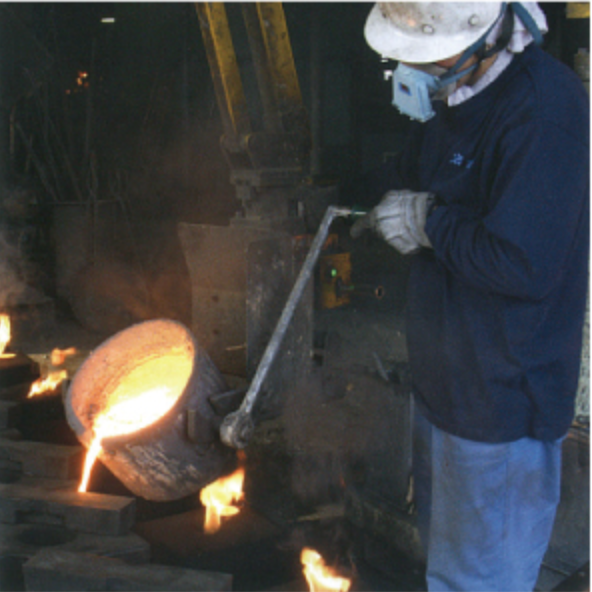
(489, 199)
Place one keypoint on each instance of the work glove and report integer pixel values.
(399, 219)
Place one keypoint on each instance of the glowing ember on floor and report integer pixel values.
(58, 356)
(4, 332)
(48, 384)
(135, 403)
(321, 578)
(219, 499)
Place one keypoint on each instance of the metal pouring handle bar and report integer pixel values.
(237, 428)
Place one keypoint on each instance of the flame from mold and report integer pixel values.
(48, 384)
(54, 378)
(4, 332)
(321, 578)
(219, 499)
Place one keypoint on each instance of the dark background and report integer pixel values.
(125, 114)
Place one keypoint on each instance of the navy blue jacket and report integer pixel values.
(495, 311)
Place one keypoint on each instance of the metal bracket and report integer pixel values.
(237, 428)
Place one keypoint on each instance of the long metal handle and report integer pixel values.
(237, 428)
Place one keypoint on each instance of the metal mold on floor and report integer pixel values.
(61, 570)
(17, 372)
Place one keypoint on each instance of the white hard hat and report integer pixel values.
(423, 32)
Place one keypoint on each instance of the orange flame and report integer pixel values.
(321, 578)
(218, 498)
(48, 384)
(125, 417)
(4, 332)
(58, 356)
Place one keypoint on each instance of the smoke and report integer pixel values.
(326, 437)
(12, 287)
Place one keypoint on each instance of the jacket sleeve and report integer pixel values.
(537, 204)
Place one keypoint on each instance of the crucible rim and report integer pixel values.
(112, 443)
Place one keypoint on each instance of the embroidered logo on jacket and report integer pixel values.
(461, 161)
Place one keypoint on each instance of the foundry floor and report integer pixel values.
(261, 546)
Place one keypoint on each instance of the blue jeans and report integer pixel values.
(485, 511)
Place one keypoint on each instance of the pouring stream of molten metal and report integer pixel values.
(321, 578)
(137, 403)
(124, 418)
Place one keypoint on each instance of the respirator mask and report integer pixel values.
(414, 88)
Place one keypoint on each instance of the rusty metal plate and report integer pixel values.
(216, 258)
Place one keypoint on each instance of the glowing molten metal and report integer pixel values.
(219, 497)
(144, 396)
(4, 333)
(321, 578)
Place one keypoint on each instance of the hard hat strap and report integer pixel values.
(507, 13)
(503, 39)
(527, 21)
(453, 73)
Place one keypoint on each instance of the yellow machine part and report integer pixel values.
(578, 9)
(224, 67)
(279, 52)
(268, 30)
(335, 269)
